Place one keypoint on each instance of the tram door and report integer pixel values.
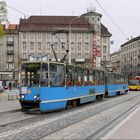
(69, 75)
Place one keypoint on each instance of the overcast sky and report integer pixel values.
(125, 14)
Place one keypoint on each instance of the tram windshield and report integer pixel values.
(30, 74)
(134, 82)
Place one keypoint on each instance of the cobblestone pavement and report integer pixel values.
(78, 123)
(9, 100)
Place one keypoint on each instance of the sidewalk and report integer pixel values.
(9, 101)
(129, 128)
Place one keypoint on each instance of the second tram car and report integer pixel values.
(48, 86)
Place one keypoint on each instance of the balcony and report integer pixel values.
(10, 60)
(24, 59)
(10, 51)
(10, 42)
(80, 60)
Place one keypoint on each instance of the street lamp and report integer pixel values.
(70, 37)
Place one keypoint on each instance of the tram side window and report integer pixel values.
(108, 78)
(44, 75)
(97, 77)
(126, 79)
(102, 77)
(119, 79)
(122, 79)
(91, 77)
(113, 78)
(86, 76)
(69, 75)
(57, 75)
(78, 76)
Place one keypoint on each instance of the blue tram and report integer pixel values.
(48, 86)
(116, 84)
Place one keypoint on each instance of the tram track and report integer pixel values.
(10, 111)
(100, 132)
(107, 127)
(62, 121)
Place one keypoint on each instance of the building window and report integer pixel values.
(31, 35)
(72, 35)
(63, 46)
(10, 66)
(104, 49)
(39, 35)
(72, 46)
(10, 38)
(10, 57)
(104, 40)
(86, 36)
(24, 35)
(86, 55)
(32, 45)
(79, 55)
(24, 56)
(39, 54)
(10, 48)
(62, 55)
(48, 55)
(79, 36)
(86, 46)
(104, 58)
(32, 54)
(24, 45)
(63, 35)
(48, 46)
(39, 45)
(56, 46)
(79, 46)
(72, 56)
(48, 35)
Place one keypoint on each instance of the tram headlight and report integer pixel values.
(22, 96)
(36, 97)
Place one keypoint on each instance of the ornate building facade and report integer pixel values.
(85, 37)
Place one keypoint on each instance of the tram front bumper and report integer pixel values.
(29, 104)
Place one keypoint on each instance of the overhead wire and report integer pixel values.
(97, 1)
(17, 10)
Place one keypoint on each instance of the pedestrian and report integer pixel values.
(10, 86)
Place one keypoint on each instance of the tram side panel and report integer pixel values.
(58, 97)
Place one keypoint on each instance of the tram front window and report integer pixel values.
(133, 82)
(30, 74)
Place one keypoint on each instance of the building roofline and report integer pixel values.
(130, 41)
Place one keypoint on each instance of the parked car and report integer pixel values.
(5, 87)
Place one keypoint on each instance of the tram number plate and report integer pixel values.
(24, 90)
